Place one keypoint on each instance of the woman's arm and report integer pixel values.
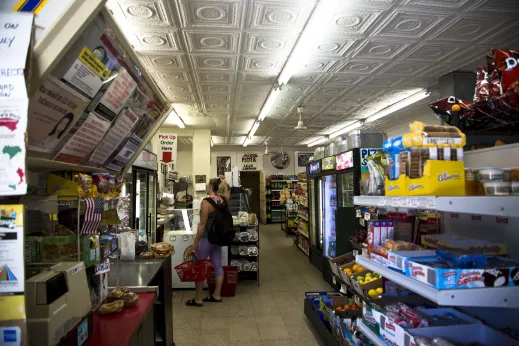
(204, 213)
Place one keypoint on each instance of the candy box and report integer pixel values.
(398, 259)
(448, 279)
(473, 334)
(485, 247)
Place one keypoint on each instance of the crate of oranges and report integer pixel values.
(343, 307)
(348, 270)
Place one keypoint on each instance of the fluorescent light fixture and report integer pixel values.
(274, 93)
(175, 118)
(398, 106)
(319, 141)
(311, 34)
(246, 141)
(212, 142)
(254, 129)
(347, 129)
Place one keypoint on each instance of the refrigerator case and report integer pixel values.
(180, 231)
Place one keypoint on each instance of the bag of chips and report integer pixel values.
(507, 65)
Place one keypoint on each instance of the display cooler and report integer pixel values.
(141, 187)
(333, 182)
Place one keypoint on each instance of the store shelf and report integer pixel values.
(283, 181)
(369, 333)
(505, 297)
(40, 164)
(482, 205)
(305, 234)
(302, 249)
(301, 216)
(281, 190)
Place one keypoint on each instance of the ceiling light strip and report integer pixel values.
(398, 106)
(319, 141)
(176, 119)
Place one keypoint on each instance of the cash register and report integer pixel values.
(57, 304)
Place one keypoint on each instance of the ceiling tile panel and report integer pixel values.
(214, 77)
(359, 66)
(214, 88)
(208, 14)
(214, 42)
(333, 46)
(213, 62)
(252, 77)
(163, 62)
(408, 24)
(438, 4)
(169, 77)
(288, 16)
(269, 44)
(469, 28)
(269, 65)
(155, 41)
(146, 14)
(353, 22)
(378, 49)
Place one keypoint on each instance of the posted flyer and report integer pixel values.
(53, 111)
(84, 140)
(116, 96)
(115, 136)
(87, 73)
(11, 249)
(120, 160)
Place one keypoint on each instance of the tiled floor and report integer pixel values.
(271, 314)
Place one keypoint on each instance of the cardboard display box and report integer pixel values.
(52, 249)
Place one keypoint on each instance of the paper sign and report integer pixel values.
(115, 136)
(12, 276)
(12, 87)
(84, 140)
(328, 163)
(13, 180)
(53, 111)
(314, 167)
(168, 147)
(120, 160)
(87, 73)
(345, 160)
(249, 162)
(13, 117)
(116, 96)
(15, 37)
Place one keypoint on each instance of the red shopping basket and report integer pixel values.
(194, 270)
(230, 281)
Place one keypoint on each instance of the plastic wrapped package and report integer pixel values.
(234, 250)
(127, 241)
(244, 236)
(399, 245)
(253, 235)
(253, 251)
(243, 250)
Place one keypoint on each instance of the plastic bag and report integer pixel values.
(127, 241)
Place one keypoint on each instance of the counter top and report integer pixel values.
(119, 328)
(138, 272)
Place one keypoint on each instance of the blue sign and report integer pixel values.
(365, 153)
(314, 167)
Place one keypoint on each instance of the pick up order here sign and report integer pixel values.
(168, 147)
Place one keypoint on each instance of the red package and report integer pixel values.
(494, 85)
(443, 108)
(482, 88)
(491, 64)
(416, 319)
(398, 320)
(507, 64)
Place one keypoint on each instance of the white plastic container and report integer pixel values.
(515, 188)
(497, 188)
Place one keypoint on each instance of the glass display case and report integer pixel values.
(239, 201)
(347, 189)
(328, 217)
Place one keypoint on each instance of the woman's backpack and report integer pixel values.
(221, 232)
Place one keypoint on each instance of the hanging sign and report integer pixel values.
(249, 162)
(168, 147)
(344, 160)
(314, 167)
(328, 163)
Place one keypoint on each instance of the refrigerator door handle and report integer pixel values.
(148, 225)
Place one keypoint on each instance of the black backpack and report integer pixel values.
(221, 232)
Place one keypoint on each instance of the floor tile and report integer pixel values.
(220, 337)
(265, 311)
(210, 324)
(241, 311)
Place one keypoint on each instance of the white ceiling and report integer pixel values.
(220, 58)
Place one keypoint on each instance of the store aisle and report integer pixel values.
(271, 314)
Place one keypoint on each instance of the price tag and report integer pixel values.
(406, 201)
(102, 267)
(355, 253)
(334, 280)
(344, 289)
(356, 298)
(362, 223)
(414, 202)
(358, 213)
(431, 202)
(365, 252)
(396, 201)
(382, 201)
(367, 216)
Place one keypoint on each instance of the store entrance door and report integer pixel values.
(251, 180)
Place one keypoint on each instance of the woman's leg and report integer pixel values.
(216, 260)
(204, 250)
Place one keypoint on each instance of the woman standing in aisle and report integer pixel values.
(219, 193)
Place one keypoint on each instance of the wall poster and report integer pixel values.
(249, 162)
(223, 164)
(54, 109)
(303, 159)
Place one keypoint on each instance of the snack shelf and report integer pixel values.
(302, 249)
(369, 333)
(283, 181)
(281, 189)
(305, 234)
(301, 216)
(481, 205)
(36, 163)
(504, 297)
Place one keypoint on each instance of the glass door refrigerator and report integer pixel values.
(141, 186)
(313, 171)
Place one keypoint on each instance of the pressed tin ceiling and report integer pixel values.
(220, 58)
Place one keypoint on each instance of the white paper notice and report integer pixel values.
(131, 146)
(118, 133)
(116, 95)
(11, 249)
(13, 117)
(12, 165)
(84, 140)
(15, 36)
(87, 73)
(53, 111)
